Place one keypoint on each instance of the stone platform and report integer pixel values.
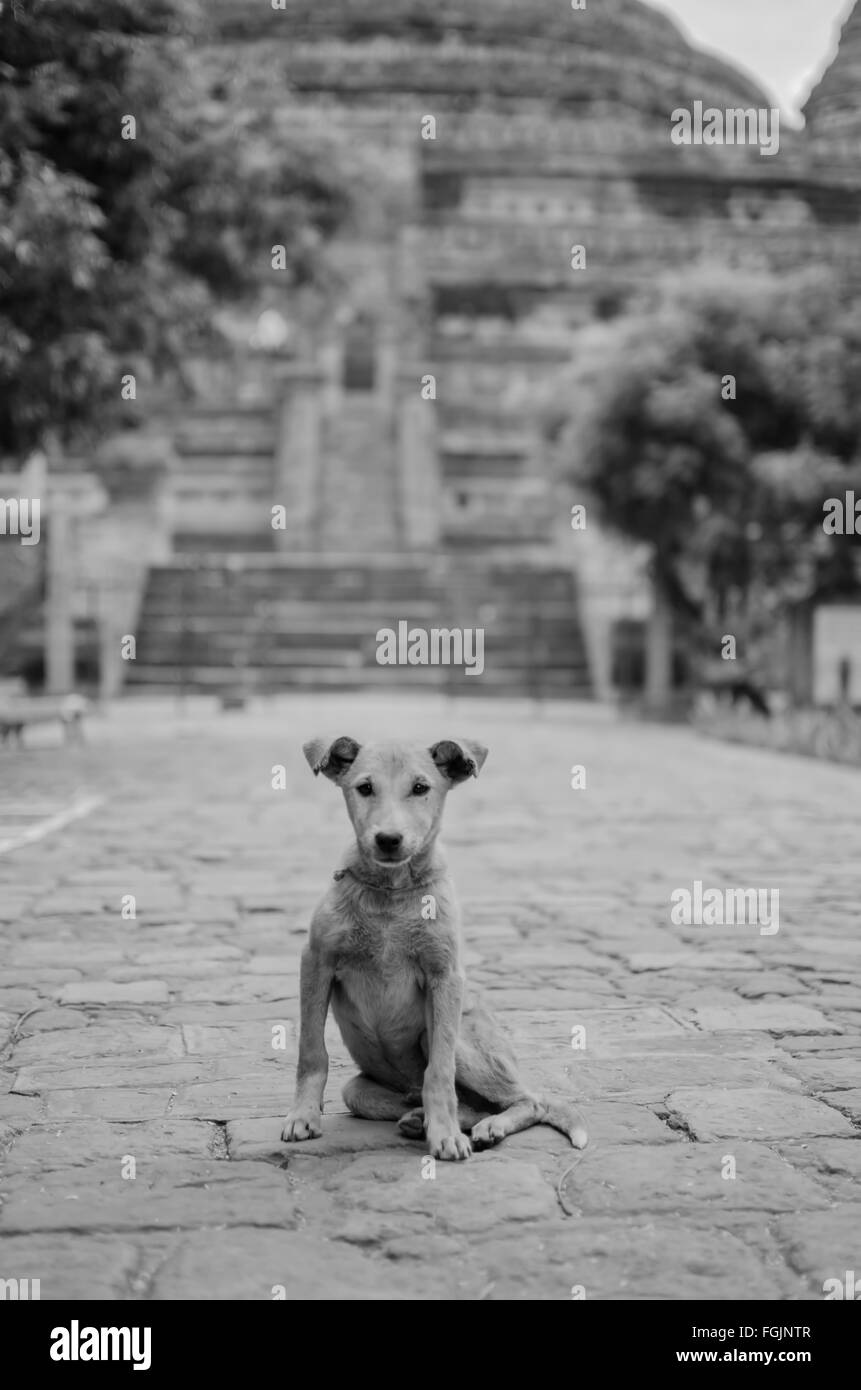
(144, 1046)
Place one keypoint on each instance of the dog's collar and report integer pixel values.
(418, 881)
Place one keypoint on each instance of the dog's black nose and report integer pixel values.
(388, 843)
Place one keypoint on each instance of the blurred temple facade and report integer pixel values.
(398, 427)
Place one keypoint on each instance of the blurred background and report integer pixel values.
(296, 344)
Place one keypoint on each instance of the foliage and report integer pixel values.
(116, 253)
(730, 493)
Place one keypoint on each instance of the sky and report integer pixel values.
(784, 44)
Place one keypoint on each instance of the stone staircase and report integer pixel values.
(233, 613)
(533, 641)
(223, 488)
(271, 622)
(263, 623)
(358, 502)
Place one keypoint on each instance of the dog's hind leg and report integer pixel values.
(487, 1066)
(532, 1110)
(523, 1114)
(412, 1125)
(371, 1101)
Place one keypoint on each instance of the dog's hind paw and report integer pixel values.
(412, 1124)
(299, 1126)
(488, 1132)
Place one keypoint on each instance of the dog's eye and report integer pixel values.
(420, 789)
(365, 789)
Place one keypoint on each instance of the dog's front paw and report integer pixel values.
(449, 1146)
(302, 1124)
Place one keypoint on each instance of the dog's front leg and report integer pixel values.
(305, 1120)
(444, 1000)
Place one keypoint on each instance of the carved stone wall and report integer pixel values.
(551, 130)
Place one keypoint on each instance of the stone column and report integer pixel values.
(298, 455)
(418, 461)
(331, 356)
(801, 654)
(386, 365)
(59, 600)
(389, 348)
(111, 672)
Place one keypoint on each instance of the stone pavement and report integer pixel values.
(720, 1071)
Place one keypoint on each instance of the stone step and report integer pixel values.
(240, 468)
(265, 651)
(218, 654)
(283, 563)
(214, 679)
(314, 588)
(225, 446)
(320, 618)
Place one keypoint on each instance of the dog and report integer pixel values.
(384, 950)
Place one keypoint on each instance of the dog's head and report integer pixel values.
(395, 792)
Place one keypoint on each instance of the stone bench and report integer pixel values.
(20, 712)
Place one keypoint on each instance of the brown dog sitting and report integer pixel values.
(384, 948)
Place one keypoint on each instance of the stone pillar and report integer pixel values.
(801, 655)
(331, 358)
(389, 349)
(659, 649)
(418, 460)
(59, 601)
(298, 455)
(387, 364)
(111, 672)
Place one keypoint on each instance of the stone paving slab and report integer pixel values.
(718, 1069)
(717, 1113)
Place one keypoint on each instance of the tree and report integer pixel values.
(727, 484)
(114, 252)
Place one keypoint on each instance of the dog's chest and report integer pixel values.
(379, 985)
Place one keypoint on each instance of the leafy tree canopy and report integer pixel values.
(114, 253)
(730, 492)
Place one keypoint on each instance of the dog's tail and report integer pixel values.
(567, 1119)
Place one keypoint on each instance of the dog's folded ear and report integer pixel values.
(331, 758)
(459, 760)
